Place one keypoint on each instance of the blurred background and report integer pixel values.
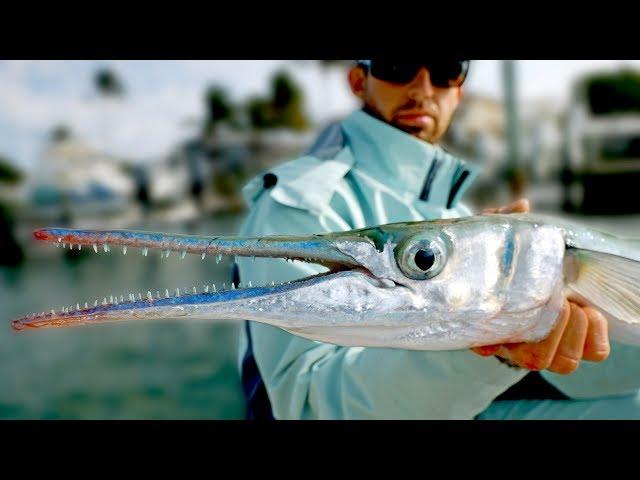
(168, 145)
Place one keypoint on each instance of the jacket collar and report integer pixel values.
(405, 163)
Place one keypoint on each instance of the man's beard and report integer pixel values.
(414, 131)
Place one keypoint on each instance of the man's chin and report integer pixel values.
(426, 135)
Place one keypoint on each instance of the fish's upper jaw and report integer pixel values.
(157, 303)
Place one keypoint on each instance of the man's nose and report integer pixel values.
(421, 86)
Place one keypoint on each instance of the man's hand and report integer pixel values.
(581, 333)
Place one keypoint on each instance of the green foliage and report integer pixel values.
(11, 253)
(259, 113)
(60, 133)
(616, 92)
(107, 83)
(229, 182)
(219, 108)
(8, 173)
(284, 108)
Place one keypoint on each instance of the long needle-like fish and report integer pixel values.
(436, 285)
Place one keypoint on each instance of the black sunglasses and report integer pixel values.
(443, 73)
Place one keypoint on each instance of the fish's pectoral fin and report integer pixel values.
(611, 284)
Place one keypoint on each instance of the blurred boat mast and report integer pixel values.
(515, 172)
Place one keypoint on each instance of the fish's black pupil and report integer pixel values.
(424, 259)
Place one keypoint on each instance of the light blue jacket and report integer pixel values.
(364, 172)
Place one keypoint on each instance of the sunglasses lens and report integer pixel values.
(393, 71)
(448, 73)
(444, 74)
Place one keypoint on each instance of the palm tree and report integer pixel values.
(218, 109)
(60, 133)
(108, 86)
(283, 109)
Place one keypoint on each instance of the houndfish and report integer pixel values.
(431, 285)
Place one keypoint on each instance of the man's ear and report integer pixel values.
(357, 79)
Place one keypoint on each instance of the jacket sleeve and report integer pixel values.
(312, 380)
(617, 375)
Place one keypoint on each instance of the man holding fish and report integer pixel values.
(382, 164)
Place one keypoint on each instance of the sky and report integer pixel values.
(163, 101)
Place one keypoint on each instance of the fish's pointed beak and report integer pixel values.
(326, 250)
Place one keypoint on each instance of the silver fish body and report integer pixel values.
(439, 285)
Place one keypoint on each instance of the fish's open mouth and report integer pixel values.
(316, 249)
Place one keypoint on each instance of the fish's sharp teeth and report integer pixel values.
(214, 287)
(139, 296)
(203, 255)
(104, 301)
(86, 305)
(111, 299)
(95, 248)
(145, 250)
(166, 293)
(195, 290)
(95, 304)
(105, 247)
(124, 250)
(149, 296)
(59, 239)
(77, 306)
(53, 312)
(250, 284)
(121, 298)
(64, 245)
(206, 289)
(79, 246)
(166, 253)
(157, 293)
(233, 286)
(183, 254)
(177, 292)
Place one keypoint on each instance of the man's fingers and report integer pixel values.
(486, 351)
(538, 356)
(519, 206)
(570, 349)
(596, 347)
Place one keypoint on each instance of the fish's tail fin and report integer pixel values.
(610, 283)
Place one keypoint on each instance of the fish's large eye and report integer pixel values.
(421, 259)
